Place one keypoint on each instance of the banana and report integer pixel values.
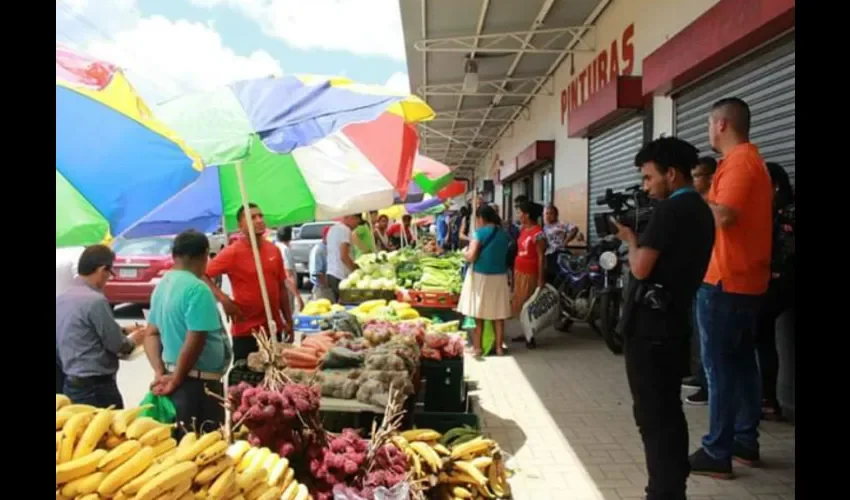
(90, 496)
(470, 470)
(201, 494)
(155, 435)
(125, 417)
(417, 463)
(238, 449)
(222, 483)
(481, 463)
(257, 491)
(178, 491)
(83, 485)
(278, 472)
(458, 477)
(270, 494)
(212, 471)
(248, 479)
(288, 479)
(421, 435)
(302, 493)
(187, 496)
(400, 443)
(426, 452)
(472, 448)
(290, 492)
(119, 455)
(65, 414)
(270, 461)
(498, 478)
(62, 401)
(453, 435)
(486, 491)
(126, 472)
(192, 451)
(212, 453)
(442, 450)
(78, 468)
(187, 440)
(461, 492)
(246, 459)
(58, 440)
(259, 459)
(95, 430)
(112, 441)
(130, 489)
(71, 433)
(167, 480)
(140, 427)
(164, 448)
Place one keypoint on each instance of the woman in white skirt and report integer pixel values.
(485, 294)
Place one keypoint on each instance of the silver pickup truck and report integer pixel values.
(303, 241)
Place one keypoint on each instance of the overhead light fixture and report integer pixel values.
(470, 77)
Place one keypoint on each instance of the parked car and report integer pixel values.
(139, 265)
(308, 236)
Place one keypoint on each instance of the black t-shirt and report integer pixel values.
(682, 230)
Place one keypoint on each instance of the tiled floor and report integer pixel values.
(564, 412)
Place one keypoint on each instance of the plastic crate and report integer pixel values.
(429, 300)
(307, 324)
(444, 385)
(354, 297)
(445, 421)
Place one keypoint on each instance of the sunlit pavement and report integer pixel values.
(564, 413)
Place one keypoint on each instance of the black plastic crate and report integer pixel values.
(445, 421)
(443, 385)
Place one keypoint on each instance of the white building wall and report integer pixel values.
(655, 21)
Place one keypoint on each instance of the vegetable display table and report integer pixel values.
(428, 300)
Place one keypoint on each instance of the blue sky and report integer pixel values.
(173, 46)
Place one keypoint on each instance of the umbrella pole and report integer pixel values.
(264, 291)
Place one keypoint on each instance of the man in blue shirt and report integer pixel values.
(319, 268)
(187, 347)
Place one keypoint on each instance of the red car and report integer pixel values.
(139, 265)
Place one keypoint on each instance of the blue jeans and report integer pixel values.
(100, 394)
(727, 337)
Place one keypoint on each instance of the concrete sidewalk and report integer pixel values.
(564, 412)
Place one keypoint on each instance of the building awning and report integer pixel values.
(620, 97)
(727, 30)
(536, 154)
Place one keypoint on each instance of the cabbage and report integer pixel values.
(355, 276)
(363, 284)
(345, 284)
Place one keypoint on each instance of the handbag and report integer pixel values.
(480, 249)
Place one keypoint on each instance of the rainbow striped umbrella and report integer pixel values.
(114, 162)
(309, 148)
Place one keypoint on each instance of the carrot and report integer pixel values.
(302, 349)
(292, 357)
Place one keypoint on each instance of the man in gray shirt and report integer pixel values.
(88, 339)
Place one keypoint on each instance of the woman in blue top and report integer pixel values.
(485, 294)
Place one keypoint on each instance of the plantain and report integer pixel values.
(421, 435)
(468, 469)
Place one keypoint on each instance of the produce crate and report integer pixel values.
(444, 386)
(428, 300)
(307, 324)
(445, 421)
(354, 297)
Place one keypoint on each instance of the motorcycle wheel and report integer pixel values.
(609, 308)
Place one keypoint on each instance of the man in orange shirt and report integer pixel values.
(246, 307)
(741, 197)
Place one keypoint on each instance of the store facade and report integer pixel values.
(530, 173)
(657, 68)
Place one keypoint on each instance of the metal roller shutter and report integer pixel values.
(612, 165)
(766, 82)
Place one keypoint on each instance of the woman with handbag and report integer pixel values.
(485, 294)
(530, 262)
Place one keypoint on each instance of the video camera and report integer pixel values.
(632, 208)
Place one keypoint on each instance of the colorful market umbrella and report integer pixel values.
(429, 177)
(115, 163)
(310, 148)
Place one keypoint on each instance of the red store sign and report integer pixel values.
(617, 60)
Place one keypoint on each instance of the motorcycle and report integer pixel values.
(590, 289)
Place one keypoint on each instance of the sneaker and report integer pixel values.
(703, 464)
(699, 398)
(691, 383)
(746, 456)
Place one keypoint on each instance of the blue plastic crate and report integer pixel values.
(310, 324)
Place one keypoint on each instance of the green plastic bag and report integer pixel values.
(488, 337)
(163, 409)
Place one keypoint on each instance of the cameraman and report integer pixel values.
(668, 263)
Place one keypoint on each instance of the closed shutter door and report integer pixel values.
(766, 82)
(612, 165)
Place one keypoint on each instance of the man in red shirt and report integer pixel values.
(246, 307)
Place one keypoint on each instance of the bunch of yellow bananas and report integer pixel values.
(472, 468)
(105, 453)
